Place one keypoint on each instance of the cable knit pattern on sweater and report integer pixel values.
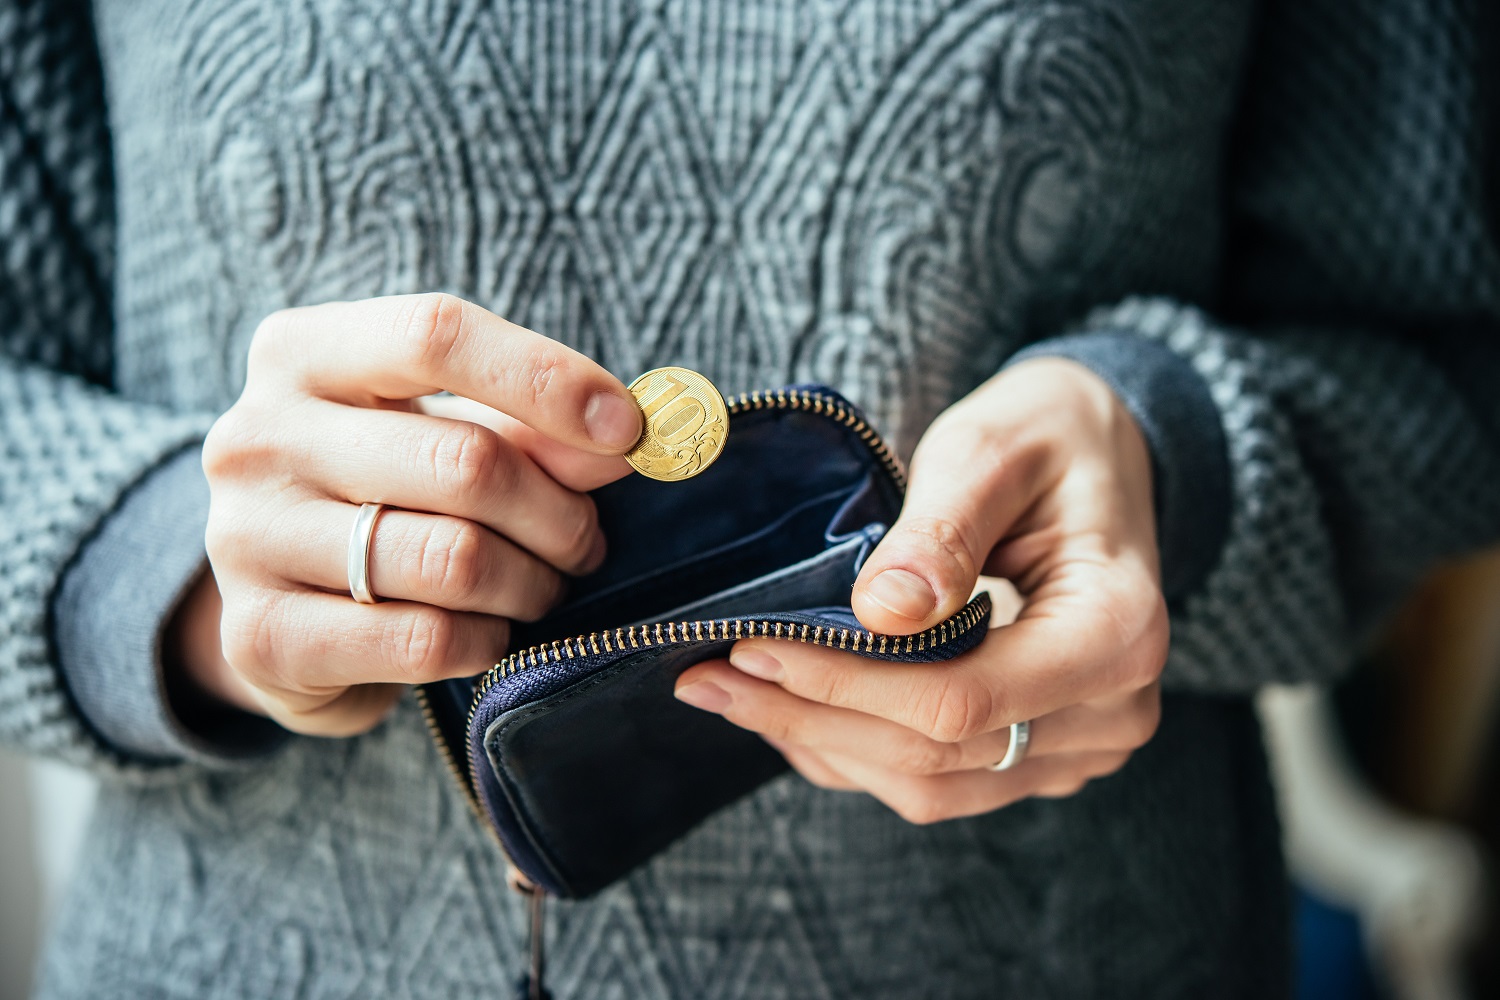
(890, 196)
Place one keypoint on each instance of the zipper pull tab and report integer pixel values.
(533, 985)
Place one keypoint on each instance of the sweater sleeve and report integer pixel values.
(1354, 362)
(86, 585)
(1355, 463)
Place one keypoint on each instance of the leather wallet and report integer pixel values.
(572, 749)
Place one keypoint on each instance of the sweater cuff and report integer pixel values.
(1189, 455)
(109, 616)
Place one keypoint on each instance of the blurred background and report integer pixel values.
(1388, 790)
(1387, 784)
(43, 808)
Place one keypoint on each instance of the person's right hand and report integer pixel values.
(487, 503)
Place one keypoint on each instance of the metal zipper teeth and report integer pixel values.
(429, 716)
(815, 402)
(855, 640)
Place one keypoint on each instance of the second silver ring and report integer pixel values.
(359, 553)
(1020, 739)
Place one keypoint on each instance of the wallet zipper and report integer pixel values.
(807, 401)
(671, 633)
(667, 633)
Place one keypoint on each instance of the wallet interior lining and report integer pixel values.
(799, 534)
(826, 578)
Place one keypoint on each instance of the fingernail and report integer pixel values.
(705, 695)
(612, 422)
(756, 663)
(902, 593)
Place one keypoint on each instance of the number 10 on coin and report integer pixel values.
(686, 424)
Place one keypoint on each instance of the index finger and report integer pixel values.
(580, 471)
(1056, 654)
(405, 346)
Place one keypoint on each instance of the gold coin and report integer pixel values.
(686, 424)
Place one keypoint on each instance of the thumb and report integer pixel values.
(964, 495)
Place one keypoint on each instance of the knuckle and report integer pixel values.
(579, 540)
(231, 444)
(922, 756)
(813, 769)
(219, 446)
(835, 684)
(222, 535)
(1149, 640)
(820, 778)
(464, 456)
(1067, 787)
(237, 637)
(227, 542)
(451, 562)
(948, 540)
(539, 377)
(432, 331)
(541, 596)
(776, 726)
(246, 532)
(1158, 637)
(1142, 667)
(422, 644)
(249, 632)
(920, 809)
(1145, 719)
(266, 343)
(955, 710)
(1136, 615)
(1109, 765)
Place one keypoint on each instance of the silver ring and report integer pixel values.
(359, 553)
(1020, 739)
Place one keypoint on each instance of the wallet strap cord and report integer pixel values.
(533, 984)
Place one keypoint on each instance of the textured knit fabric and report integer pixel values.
(69, 448)
(890, 197)
(110, 614)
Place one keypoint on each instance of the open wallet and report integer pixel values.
(572, 749)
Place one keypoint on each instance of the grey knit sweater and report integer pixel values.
(1268, 228)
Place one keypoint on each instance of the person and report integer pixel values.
(1185, 314)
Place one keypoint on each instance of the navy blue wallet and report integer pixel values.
(572, 749)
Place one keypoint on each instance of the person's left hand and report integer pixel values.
(1042, 477)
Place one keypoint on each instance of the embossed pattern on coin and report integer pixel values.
(686, 424)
